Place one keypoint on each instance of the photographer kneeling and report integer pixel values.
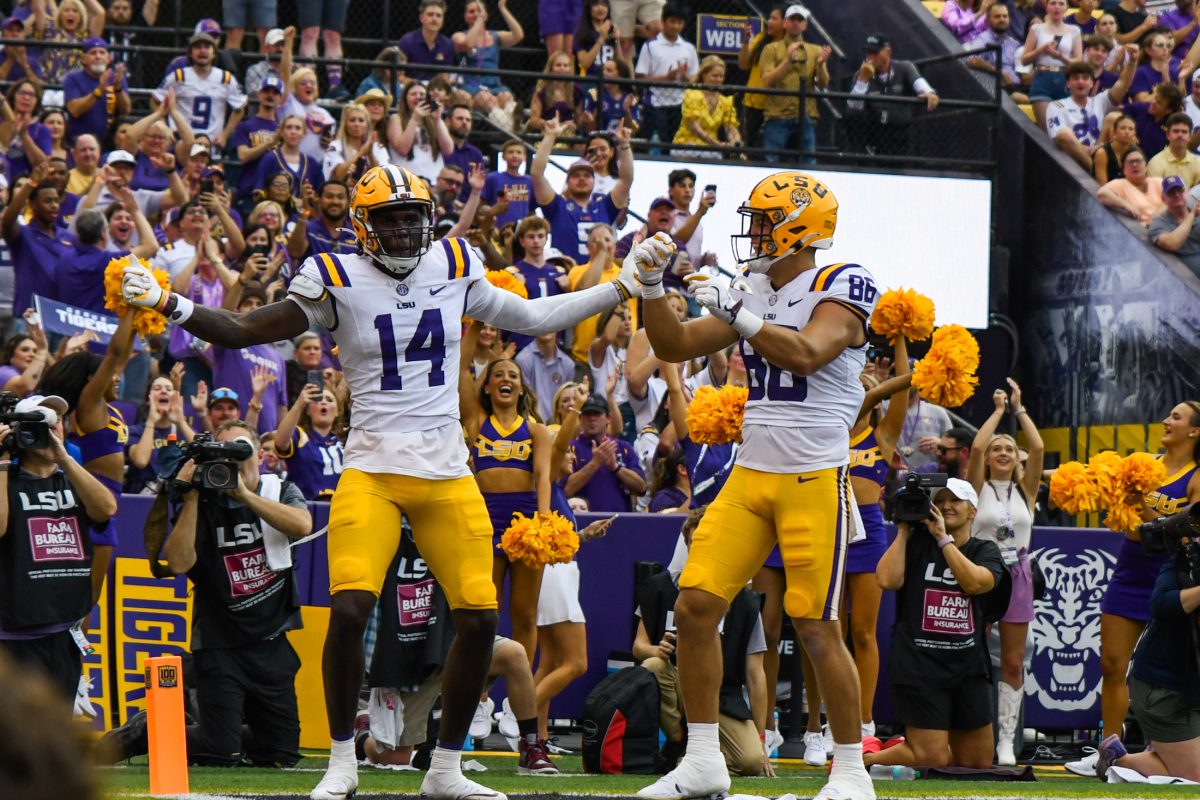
(50, 507)
(1164, 682)
(232, 543)
(940, 667)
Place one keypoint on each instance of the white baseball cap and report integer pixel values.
(51, 407)
(962, 490)
(120, 157)
(273, 37)
(796, 10)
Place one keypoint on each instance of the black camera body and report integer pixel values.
(216, 462)
(1179, 536)
(30, 430)
(913, 501)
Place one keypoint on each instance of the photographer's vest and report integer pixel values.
(415, 629)
(239, 600)
(46, 556)
(898, 82)
(656, 598)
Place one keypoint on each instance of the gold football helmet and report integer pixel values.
(785, 213)
(391, 213)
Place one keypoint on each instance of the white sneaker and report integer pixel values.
(83, 699)
(857, 786)
(774, 740)
(455, 786)
(709, 780)
(827, 739)
(815, 754)
(1085, 766)
(337, 784)
(481, 723)
(506, 722)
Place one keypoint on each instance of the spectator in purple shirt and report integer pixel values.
(17, 63)
(1150, 117)
(1183, 22)
(328, 229)
(35, 246)
(465, 155)
(966, 19)
(1155, 66)
(235, 368)
(997, 34)
(572, 214)
(95, 94)
(1082, 17)
(661, 219)
(253, 137)
(427, 45)
(607, 472)
(25, 141)
(516, 189)
(79, 273)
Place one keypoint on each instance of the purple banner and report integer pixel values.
(723, 33)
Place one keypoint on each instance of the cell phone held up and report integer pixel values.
(207, 186)
(315, 377)
(711, 190)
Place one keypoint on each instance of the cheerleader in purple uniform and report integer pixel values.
(1125, 609)
(510, 453)
(309, 440)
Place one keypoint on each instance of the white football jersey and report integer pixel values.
(203, 101)
(797, 423)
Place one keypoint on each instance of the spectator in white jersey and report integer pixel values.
(1074, 122)
(209, 97)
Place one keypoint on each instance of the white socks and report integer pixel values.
(847, 759)
(704, 743)
(342, 754)
(868, 728)
(444, 760)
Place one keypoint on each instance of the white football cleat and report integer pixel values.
(848, 787)
(338, 784)
(455, 786)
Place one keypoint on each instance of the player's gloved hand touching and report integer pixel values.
(649, 257)
(139, 287)
(716, 293)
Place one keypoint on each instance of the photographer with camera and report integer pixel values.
(939, 663)
(231, 538)
(1164, 684)
(50, 510)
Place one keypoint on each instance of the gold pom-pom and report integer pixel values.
(1141, 473)
(503, 279)
(146, 321)
(1104, 469)
(715, 415)
(1073, 488)
(540, 540)
(903, 312)
(1123, 518)
(946, 375)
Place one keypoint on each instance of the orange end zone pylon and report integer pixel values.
(165, 726)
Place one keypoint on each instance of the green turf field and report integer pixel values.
(132, 781)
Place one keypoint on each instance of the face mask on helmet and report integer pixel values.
(399, 234)
(760, 244)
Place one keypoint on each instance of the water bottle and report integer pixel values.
(883, 772)
(775, 753)
(468, 744)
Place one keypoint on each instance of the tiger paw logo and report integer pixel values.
(1066, 630)
(801, 198)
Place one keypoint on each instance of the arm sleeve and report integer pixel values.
(509, 312)
(643, 61)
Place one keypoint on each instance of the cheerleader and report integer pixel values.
(1125, 609)
(1007, 494)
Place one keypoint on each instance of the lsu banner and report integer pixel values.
(723, 33)
(96, 664)
(69, 320)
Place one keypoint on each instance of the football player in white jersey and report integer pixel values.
(202, 92)
(802, 330)
(395, 311)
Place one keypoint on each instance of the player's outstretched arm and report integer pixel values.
(270, 323)
(541, 315)
(831, 330)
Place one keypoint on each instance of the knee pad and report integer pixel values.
(800, 605)
(350, 565)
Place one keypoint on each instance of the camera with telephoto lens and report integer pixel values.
(30, 431)
(913, 501)
(216, 462)
(1179, 536)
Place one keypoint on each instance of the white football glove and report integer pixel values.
(649, 257)
(139, 287)
(716, 293)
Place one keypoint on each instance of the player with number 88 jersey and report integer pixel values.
(802, 330)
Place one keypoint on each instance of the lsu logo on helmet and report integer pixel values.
(785, 213)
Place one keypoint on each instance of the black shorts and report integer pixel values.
(56, 657)
(963, 707)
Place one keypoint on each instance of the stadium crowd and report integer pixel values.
(243, 172)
